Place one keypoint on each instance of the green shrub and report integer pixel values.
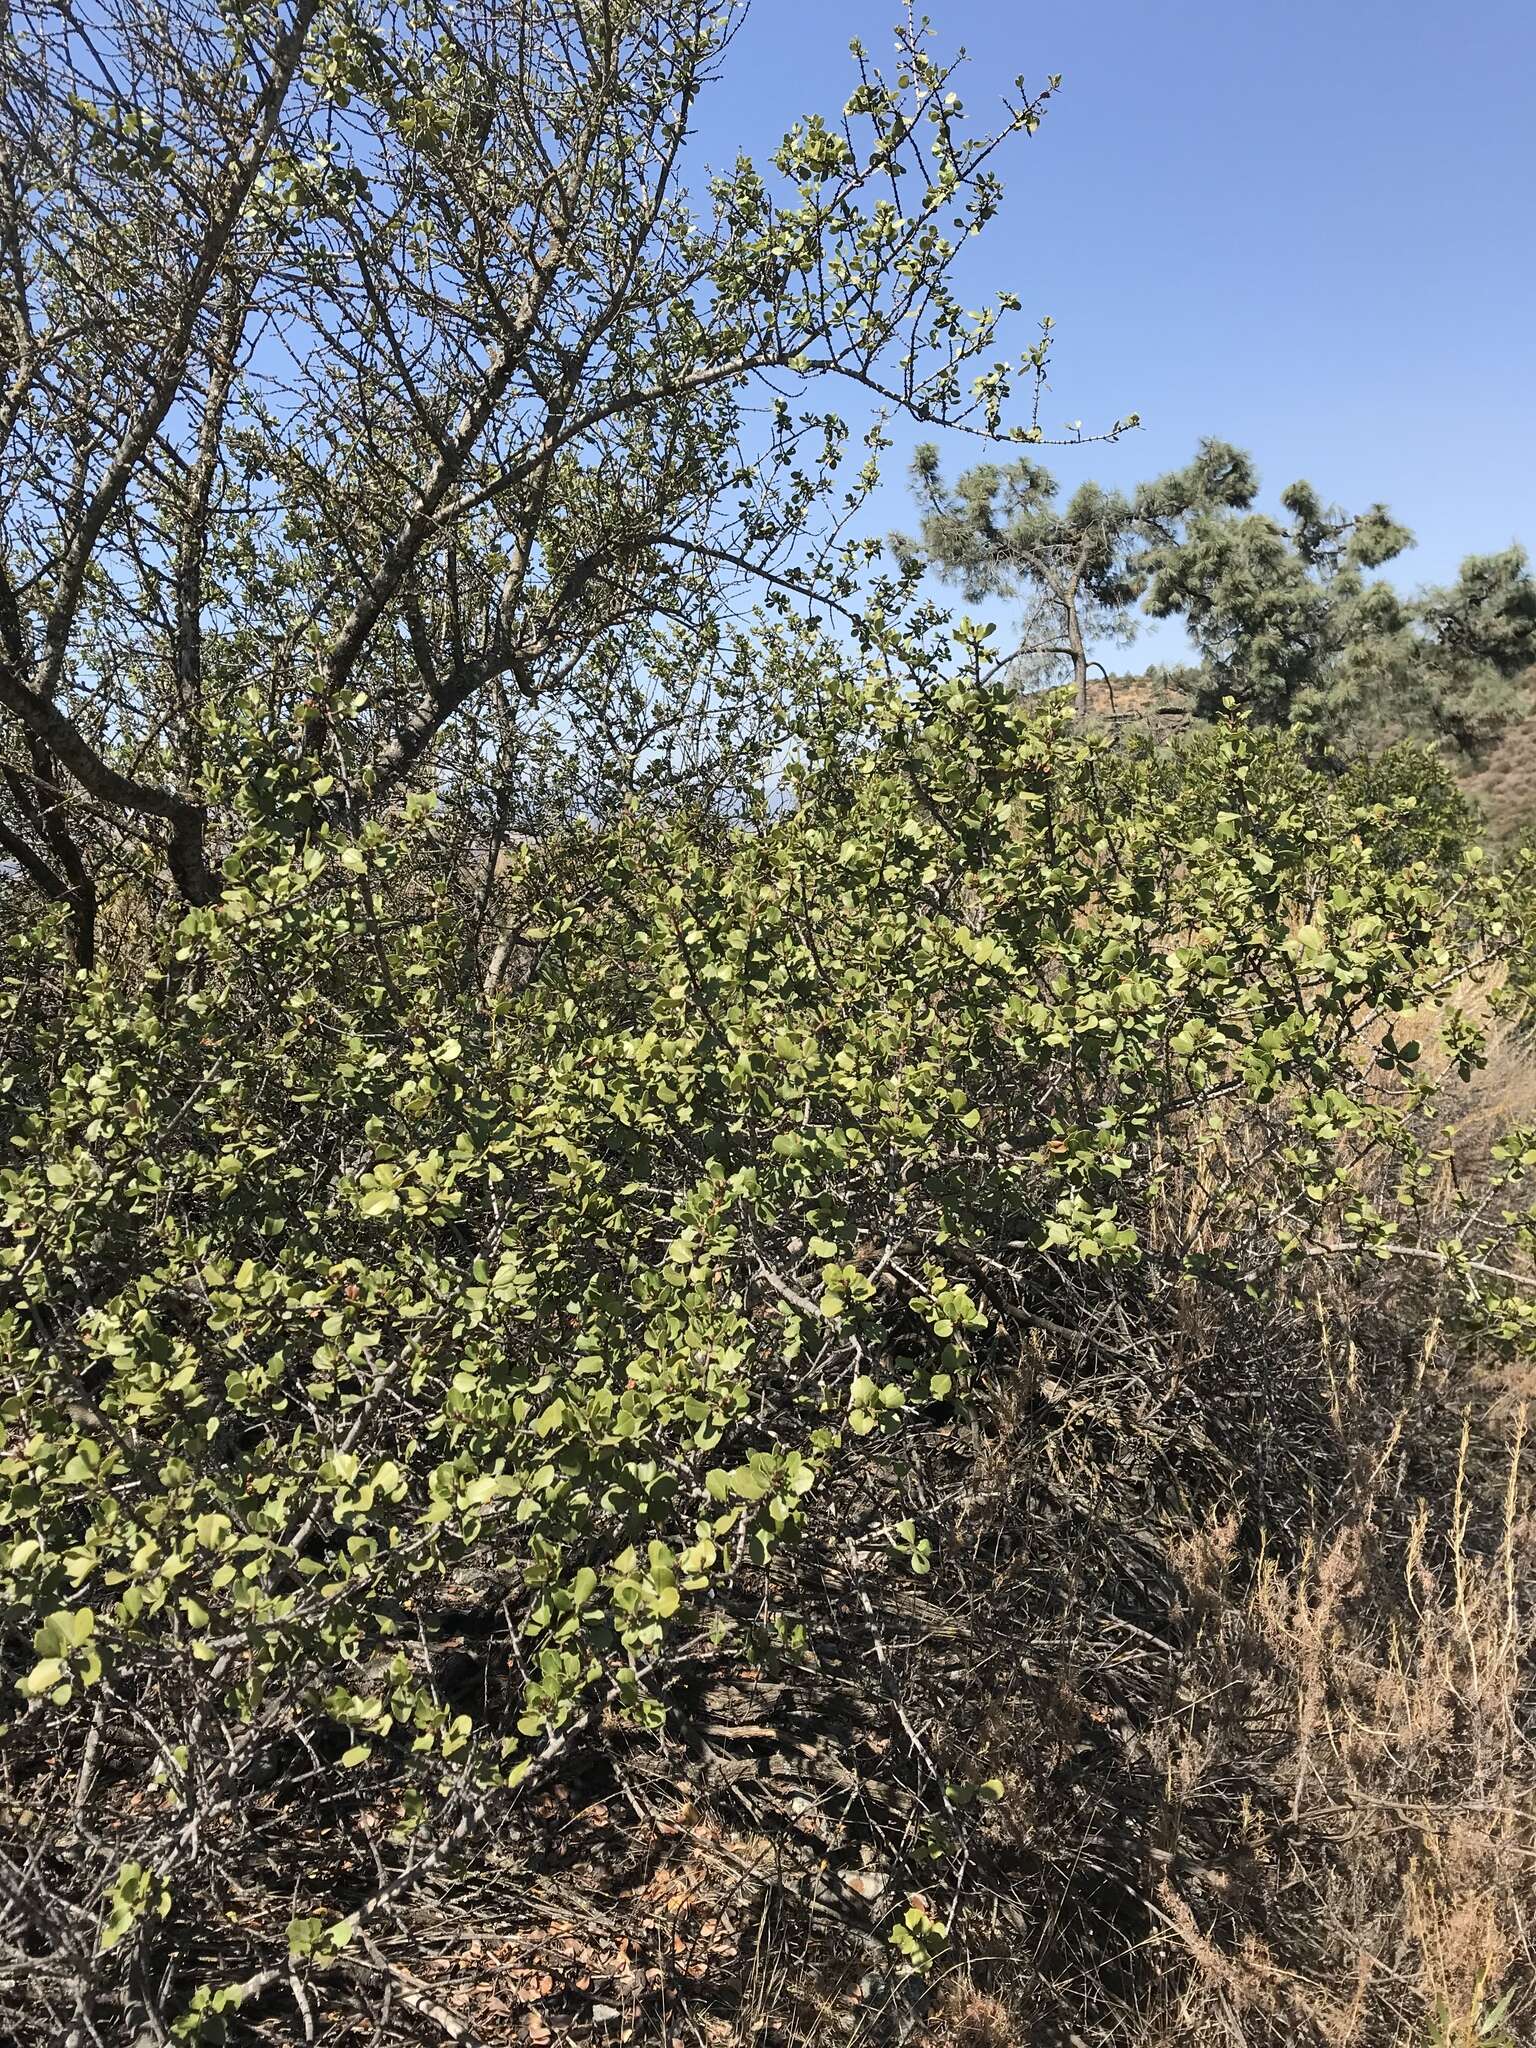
(342, 1309)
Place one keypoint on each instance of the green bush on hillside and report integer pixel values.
(338, 1303)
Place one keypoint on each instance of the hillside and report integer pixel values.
(1504, 787)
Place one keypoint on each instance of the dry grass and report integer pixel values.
(1306, 1768)
(967, 2018)
(1499, 1096)
(1504, 787)
(1374, 1705)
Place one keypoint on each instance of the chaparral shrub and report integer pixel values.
(397, 1381)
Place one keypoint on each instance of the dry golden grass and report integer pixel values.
(1377, 1715)
(1504, 788)
(1334, 1802)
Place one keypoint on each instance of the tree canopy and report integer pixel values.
(1002, 533)
(1288, 619)
(375, 386)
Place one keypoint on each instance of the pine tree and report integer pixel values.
(1289, 620)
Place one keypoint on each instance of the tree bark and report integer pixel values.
(1079, 653)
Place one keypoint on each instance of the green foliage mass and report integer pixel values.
(333, 1296)
(1288, 617)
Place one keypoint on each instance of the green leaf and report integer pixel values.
(304, 1936)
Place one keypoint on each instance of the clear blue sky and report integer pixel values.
(1305, 228)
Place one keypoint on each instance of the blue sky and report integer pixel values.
(1305, 228)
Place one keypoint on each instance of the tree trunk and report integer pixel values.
(1079, 653)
